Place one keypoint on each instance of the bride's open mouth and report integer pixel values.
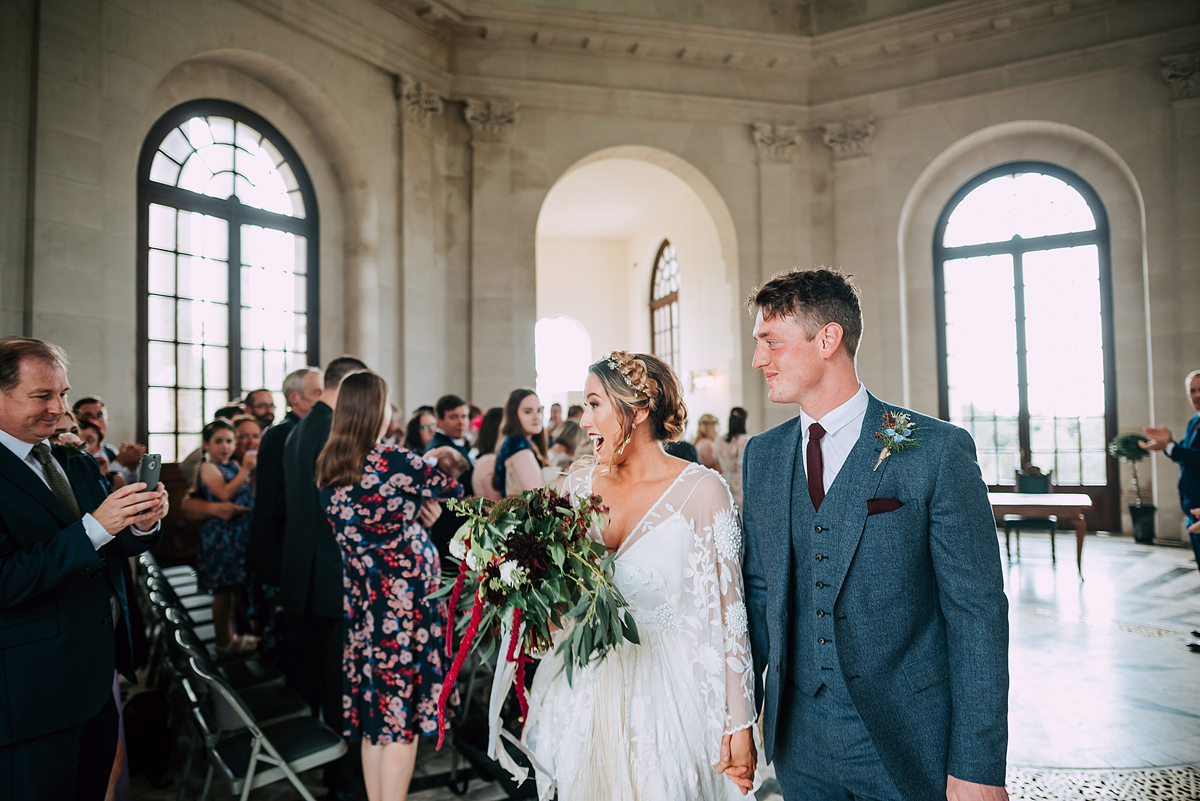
(597, 441)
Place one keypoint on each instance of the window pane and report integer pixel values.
(195, 174)
(981, 359)
(274, 369)
(252, 368)
(163, 170)
(162, 365)
(1029, 204)
(216, 367)
(215, 399)
(187, 444)
(187, 324)
(161, 409)
(161, 318)
(161, 273)
(163, 444)
(215, 317)
(1065, 348)
(190, 416)
(188, 360)
(176, 146)
(162, 227)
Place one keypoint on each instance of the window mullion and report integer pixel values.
(235, 300)
(1022, 367)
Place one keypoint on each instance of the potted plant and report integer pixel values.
(1125, 448)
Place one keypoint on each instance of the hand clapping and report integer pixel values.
(132, 505)
(1160, 438)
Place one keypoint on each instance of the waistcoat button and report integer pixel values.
(820, 641)
(818, 529)
(820, 586)
(820, 557)
(820, 613)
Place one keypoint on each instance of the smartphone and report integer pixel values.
(148, 471)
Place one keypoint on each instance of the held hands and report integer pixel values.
(959, 790)
(227, 510)
(130, 454)
(739, 759)
(431, 510)
(132, 505)
(449, 461)
(1160, 438)
(1194, 528)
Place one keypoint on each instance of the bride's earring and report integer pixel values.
(621, 449)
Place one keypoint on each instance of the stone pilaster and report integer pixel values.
(418, 104)
(490, 120)
(775, 142)
(1182, 74)
(850, 138)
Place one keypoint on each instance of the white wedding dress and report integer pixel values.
(646, 722)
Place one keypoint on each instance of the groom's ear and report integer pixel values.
(830, 337)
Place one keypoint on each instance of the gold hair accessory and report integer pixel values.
(625, 370)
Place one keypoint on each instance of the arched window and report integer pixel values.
(664, 306)
(227, 268)
(1025, 344)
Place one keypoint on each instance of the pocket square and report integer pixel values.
(877, 506)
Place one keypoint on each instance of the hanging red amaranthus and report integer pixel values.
(453, 608)
(463, 649)
(516, 653)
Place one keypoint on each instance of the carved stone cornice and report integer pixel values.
(418, 105)
(490, 120)
(850, 138)
(1182, 74)
(775, 142)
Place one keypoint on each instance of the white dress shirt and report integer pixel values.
(842, 427)
(24, 451)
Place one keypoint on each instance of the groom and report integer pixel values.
(876, 602)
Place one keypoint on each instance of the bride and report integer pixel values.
(671, 719)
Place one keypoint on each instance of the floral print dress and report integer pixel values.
(394, 657)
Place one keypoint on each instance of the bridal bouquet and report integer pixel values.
(528, 563)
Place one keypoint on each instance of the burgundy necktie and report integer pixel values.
(815, 465)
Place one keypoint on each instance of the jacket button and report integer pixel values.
(820, 613)
(820, 586)
(107, 621)
(818, 529)
(820, 557)
(820, 641)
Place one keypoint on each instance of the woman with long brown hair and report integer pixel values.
(395, 641)
(522, 455)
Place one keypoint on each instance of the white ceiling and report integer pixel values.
(609, 199)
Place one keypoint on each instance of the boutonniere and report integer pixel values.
(71, 445)
(896, 433)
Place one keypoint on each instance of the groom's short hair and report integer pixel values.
(814, 298)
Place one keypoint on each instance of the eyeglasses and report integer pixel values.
(429, 427)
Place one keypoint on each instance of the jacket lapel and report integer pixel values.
(20, 474)
(777, 544)
(79, 477)
(861, 484)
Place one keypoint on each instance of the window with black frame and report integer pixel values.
(664, 306)
(227, 248)
(1025, 344)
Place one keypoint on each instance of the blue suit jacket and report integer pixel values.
(58, 646)
(1186, 454)
(920, 617)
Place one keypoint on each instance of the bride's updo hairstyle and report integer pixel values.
(636, 381)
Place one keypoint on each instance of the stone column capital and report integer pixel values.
(418, 105)
(775, 142)
(850, 138)
(1182, 74)
(490, 120)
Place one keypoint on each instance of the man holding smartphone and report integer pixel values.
(64, 622)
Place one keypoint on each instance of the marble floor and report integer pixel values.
(1105, 698)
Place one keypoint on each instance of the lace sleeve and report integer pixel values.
(713, 578)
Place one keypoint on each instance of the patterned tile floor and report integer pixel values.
(1105, 701)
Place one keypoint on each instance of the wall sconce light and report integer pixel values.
(703, 380)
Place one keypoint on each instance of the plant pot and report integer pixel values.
(1143, 523)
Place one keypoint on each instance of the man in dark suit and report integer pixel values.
(312, 579)
(875, 596)
(302, 388)
(453, 416)
(64, 615)
(1185, 453)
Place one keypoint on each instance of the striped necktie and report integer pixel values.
(58, 484)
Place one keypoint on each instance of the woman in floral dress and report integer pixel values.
(394, 656)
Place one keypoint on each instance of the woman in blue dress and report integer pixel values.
(221, 562)
(394, 658)
(522, 454)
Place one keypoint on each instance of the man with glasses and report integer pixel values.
(123, 460)
(260, 404)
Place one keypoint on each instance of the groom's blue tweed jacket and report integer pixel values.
(920, 619)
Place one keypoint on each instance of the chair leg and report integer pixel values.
(1053, 556)
(185, 780)
(1018, 533)
(207, 784)
(249, 780)
(1007, 543)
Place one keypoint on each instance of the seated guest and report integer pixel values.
(420, 430)
(453, 416)
(575, 412)
(556, 420)
(123, 460)
(260, 404)
(63, 541)
(221, 561)
(93, 440)
(568, 440)
(485, 455)
(394, 656)
(522, 454)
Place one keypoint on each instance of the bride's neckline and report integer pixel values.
(632, 536)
